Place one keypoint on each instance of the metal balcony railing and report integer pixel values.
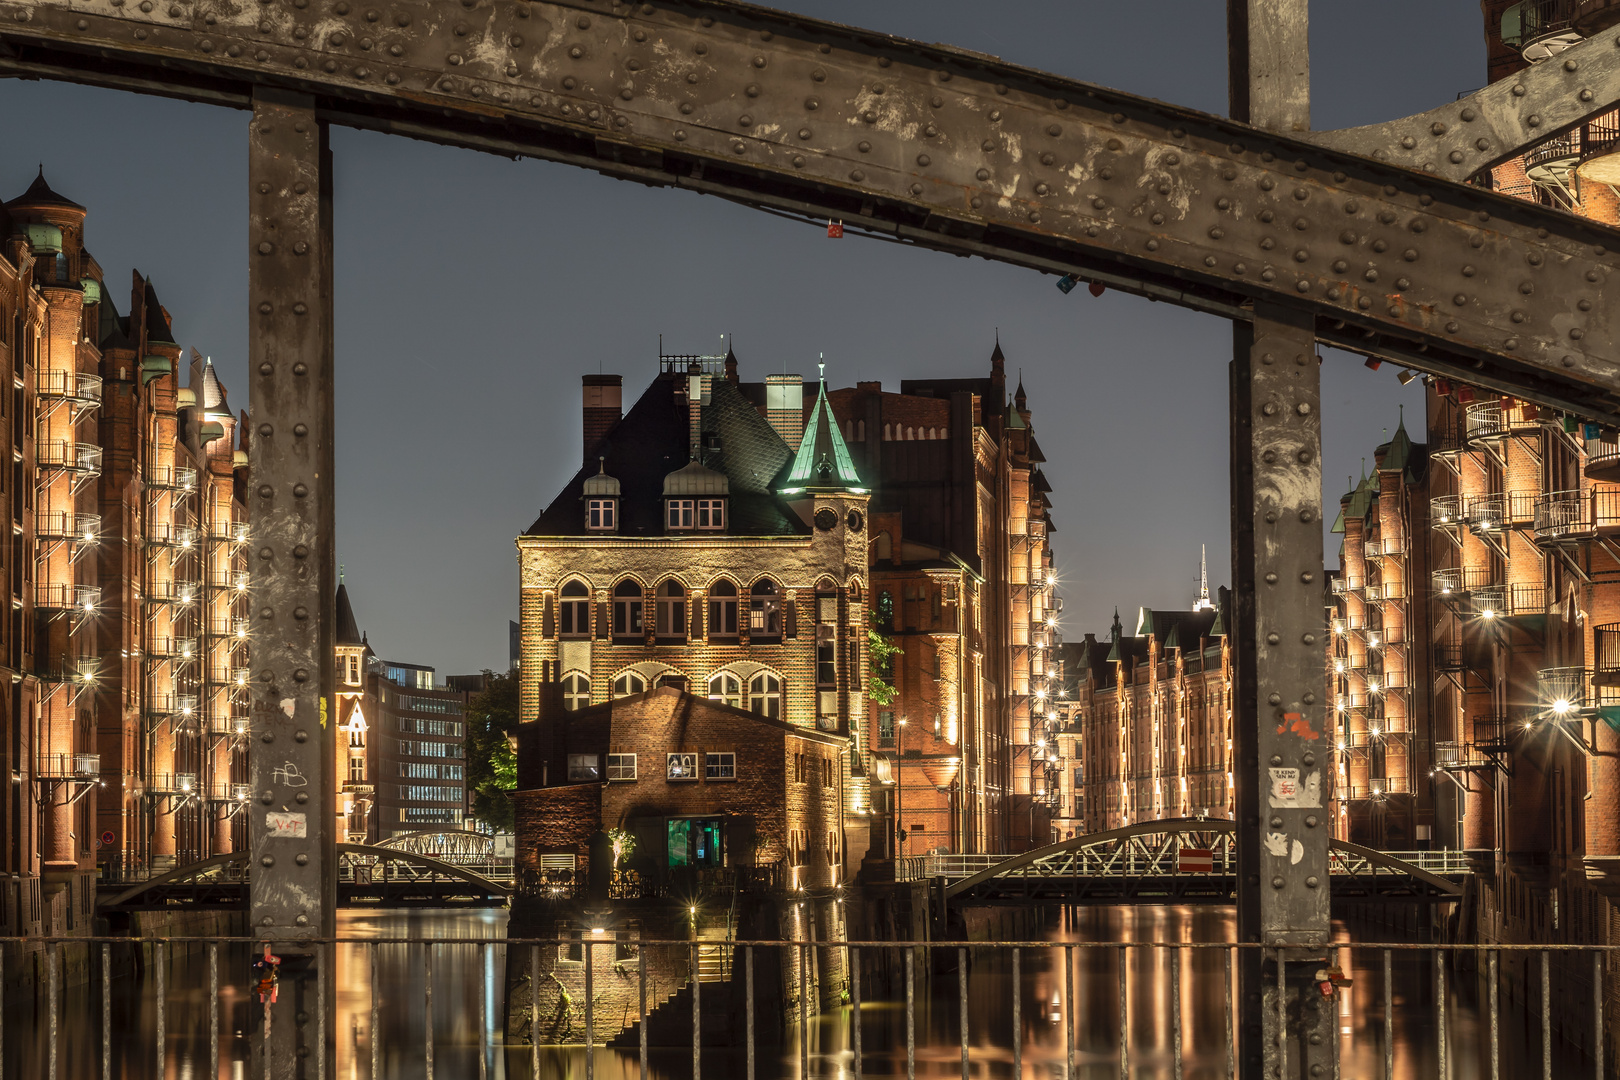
(1606, 648)
(64, 596)
(76, 386)
(1339, 626)
(1603, 457)
(234, 726)
(1538, 28)
(79, 458)
(234, 532)
(1379, 788)
(1458, 582)
(68, 767)
(1373, 593)
(79, 669)
(1575, 514)
(168, 534)
(181, 705)
(67, 525)
(1341, 585)
(1445, 510)
(237, 793)
(173, 648)
(172, 591)
(1489, 420)
(226, 628)
(172, 784)
(1526, 599)
(234, 677)
(1563, 691)
(234, 580)
(172, 478)
(1485, 513)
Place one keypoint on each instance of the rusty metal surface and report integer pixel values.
(292, 894)
(937, 146)
(1490, 126)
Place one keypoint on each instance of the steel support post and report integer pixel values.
(294, 870)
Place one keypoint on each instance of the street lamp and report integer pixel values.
(899, 760)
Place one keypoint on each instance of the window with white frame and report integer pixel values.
(671, 610)
(627, 684)
(621, 767)
(680, 766)
(764, 609)
(600, 514)
(576, 689)
(765, 695)
(711, 513)
(680, 512)
(575, 608)
(627, 601)
(726, 688)
(720, 766)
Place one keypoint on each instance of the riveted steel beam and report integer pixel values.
(1464, 137)
(932, 145)
(292, 895)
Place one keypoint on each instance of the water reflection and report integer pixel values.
(1087, 990)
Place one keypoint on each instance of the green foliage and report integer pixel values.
(492, 715)
(880, 650)
(624, 845)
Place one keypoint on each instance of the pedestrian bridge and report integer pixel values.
(1174, 861)
(367, 877)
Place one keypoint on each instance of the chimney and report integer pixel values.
(784, 407)
(540, 748)
(604, 402)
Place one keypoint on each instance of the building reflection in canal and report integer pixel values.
(463, 973)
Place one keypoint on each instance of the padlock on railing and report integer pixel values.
(1329, 979)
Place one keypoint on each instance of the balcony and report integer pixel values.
(1603, 459)
(235, 727)
(1445, 511)
(1540, 28)
(173, 648)
(69, 767)
(167, 534)
(79, 669)
(172, 478)
(235, 678)
(231, 793)
(233, 580)
(79, 459)
(226, 628)
(1380, 788)
(172, 784)
(78, 387)
(231, 532)
(67, 525)
(1486, 420)
(62, 596)
(163, 705)
(173, 591)
(1341, 585)
(1606, 655)
(1454, 584)
(1563, 692)
(1491, 513)
(1576, 515)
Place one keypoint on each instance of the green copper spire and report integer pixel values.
(823, 462)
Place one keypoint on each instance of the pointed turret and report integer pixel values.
(1203, 603)
(40, 196)
(157, 320)
(348, 630)
(823, 462)
(998, 373)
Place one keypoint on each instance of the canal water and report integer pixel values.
(463, 974)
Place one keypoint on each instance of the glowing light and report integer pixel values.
(1338, 666)
(1373, 641)
(1487, 614)
(1342, 744)
(1561, 706)
(1372, 687)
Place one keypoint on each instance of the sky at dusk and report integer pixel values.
(473, 291)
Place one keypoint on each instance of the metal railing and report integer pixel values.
(74, 457)
(1564, 691)
(172, 591)
(64, 596)
(67, 525)
(1445, 510)
(1574, 514)
(172, 478)
(170, 534)
(80, 386)
(572, 995)
(68, 767)
(1489, 420)
(1379, 788)
(172, 784)
(1606, 647)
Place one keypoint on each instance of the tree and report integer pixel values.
(880, 650)
(492, 715)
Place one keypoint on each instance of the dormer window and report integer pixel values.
(601, 514)
(695, 498)
(695, 513)
(601, 500)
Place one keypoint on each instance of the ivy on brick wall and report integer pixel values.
(492, 716)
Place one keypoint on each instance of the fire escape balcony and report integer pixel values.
(182, 707)
(234, 629)
(1495, 512)
(228, 532)
(167, 784)
(79, 389)
(172, 591)
(1603, 458)
(1378, 788)
(230, 793)
(179, 650)
(234, 727)
(172, 478)
(68, 767)
(1541, 28)
(1455, 584)
(234, 677)
(232, 580)
(1575, 516)
(66, 596)
(1488, 420)
(1446, 511)
(169, 536)
(81, 461)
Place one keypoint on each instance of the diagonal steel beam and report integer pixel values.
(924, 144)
(1500, 122)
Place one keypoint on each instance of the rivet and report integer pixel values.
(1271, 579)
(1576, 333)
(1518, 89)
(1511, 343)
(916, 189)
(1533, 120)
(1269, 408)
(1452, 327)
(1275, 699)
(1402, 284)
(300, 735)
(300, 368)
(300, 308)
(1054, 130)
(1153, 245)
(266, 368)
(1035, 216)
(300, 675)
(266, 247)
(983, 174)
(301, 248)
(1304, 458)
(1309, 639)
(739, 148)
(1569, 361)
(1352, 206)
(300, 430)
(265, 491)
(1364, 303)
(1456, 157)
(266, 430)
(1311, 882)
(863, 146)
(1571, 65)
(1303, 408)
(804, 133)
(857, 175)
(1268, 274)
(1307, 514)
(1277, 883)
(265, 308)
(300, 551)
(1209, 260)
(1410, 255)
(267, 860)
(302, 860)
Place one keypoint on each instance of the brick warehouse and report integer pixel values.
(127, 645)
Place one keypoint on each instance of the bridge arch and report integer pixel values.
(1342, 853)
(233, 868)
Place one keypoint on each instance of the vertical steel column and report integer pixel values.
(292, 887)
(1280, 735)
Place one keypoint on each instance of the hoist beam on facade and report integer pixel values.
(943, 148)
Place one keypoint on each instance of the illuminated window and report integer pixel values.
(357, 770)
(576, 690)
(765, 695)
(725, 688)
(764, 609)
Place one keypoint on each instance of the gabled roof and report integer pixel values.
(652, 441)
(823, 461)
(39, 193)
(157, 323)
(114, 328)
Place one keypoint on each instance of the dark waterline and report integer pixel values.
(464, 972)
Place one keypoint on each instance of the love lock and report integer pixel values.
(267, 974)
(1329, 979)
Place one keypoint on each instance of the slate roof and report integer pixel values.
(39, 193)
(157, 323)
(823, 459)
(348, 631)
(652, 441)
(114, 328)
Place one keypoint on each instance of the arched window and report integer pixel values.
(764, 610)
(671, 610)
(576, 688)
(627, 609)
(575, 605)
(628, 683)
(884, 615)
(887, 436)
(726, 688)
(723, 610)
(765, 695)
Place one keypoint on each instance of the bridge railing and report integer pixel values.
(1138, 863)
(593, 987)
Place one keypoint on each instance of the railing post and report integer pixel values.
(291, 823)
